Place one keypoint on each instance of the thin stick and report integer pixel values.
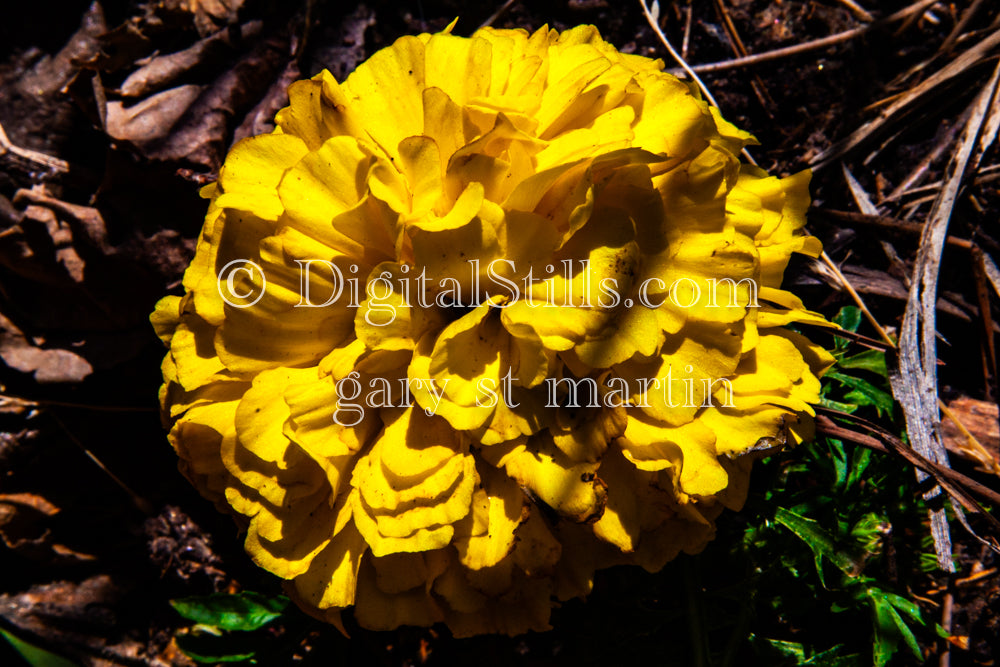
(38, 402)
(887, 443)
(944, 143)
(959, 28)
(687, 30)
(946, 612)
(497, 14)
(741, 50)
(856, 9)
(53, 164)
(673, 53)
(812, 45)
(683, 63)
(141, 503)
(976, 576)
(886, 222)
(985, 175)
(857, 298)
(731, 28)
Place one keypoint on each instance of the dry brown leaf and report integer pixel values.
(209, 15)
(980, 418)
(161, 71)
(76, 619)
(151, 119)
(48, 365)
(201, 136)
(23, 528)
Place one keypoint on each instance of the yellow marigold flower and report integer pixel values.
(514, 314)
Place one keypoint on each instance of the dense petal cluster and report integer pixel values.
(516, 316)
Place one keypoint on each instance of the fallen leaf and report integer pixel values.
(209, 15)
(151, 119)
(981, 419)
(161, 71)
(24, 529)
(48, 365)
(76, 619)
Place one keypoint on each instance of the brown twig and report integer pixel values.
(812, 45)
(504, 8)
(38, 160)
(20, 401)
(985, 175)
(140, 503)
(976, 576)
(687, 30)
(856, 9)
(960, 27)
(765, 99)
(885, 222)
(849, 288)
(946, 74)
(947, 138)
(915, 385)
(654, 24)
(961, 487)
(864, 341)
(946, 612)
(988, 348)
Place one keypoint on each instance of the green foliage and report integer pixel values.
(245, 611)
(850, 560)
(833, 505)
(858, 380)
(782, 653)
(34, 655)
(229, 628)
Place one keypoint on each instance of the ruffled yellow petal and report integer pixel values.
(490, 315)
(416, 482)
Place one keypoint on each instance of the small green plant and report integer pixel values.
(228, 628)
(845, 505)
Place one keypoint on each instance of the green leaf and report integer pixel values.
(886, 639)
(863, 392)
(859, 463)
(241, 611)
(848, 318)
(794, 653)
(210, 649)
(830, 658)
(793, 650)
(847, 408)
(890, 628)
(908, 607)
(820, 542)
(839, 458)
(35, 656)
(869, 360)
